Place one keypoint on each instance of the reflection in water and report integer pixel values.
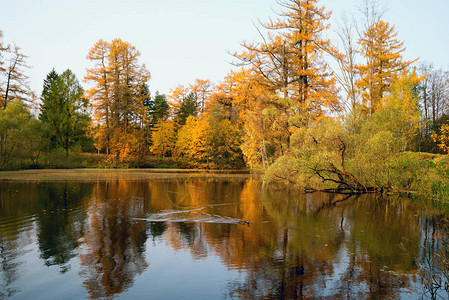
(296, 246)
(60, 222)
(50, 209)
(112, 251)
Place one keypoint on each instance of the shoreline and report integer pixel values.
(89, 174)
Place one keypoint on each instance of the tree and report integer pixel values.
(224, 144)
(119, 95)
(16, 85)
(403, 98)
(434, 95)
(3, 49)
(210, 142)
(164, 138)
(20, 135)
(189, 107)
(347, 77)
(99, 94)
(63, 110)
(442, 139)
(158, 108)
(383, 61)
(202, 88)
(291, 61)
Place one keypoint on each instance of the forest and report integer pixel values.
(348, 114)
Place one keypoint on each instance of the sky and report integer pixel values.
(182, 40)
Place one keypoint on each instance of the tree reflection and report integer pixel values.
(301, 246)
(318, 236)
(296, 246)
(17, 208)
(112, 252)
(60, 221)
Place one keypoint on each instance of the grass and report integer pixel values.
(424, 173)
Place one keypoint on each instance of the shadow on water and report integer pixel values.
(296, 245)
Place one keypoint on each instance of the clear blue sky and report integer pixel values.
(182, 40)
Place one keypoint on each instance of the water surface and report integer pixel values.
(188, 237)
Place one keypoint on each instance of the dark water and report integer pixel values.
(184, 238)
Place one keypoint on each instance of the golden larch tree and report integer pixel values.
(99, 94)
(382, 52)
(117, 96)
(291, 60)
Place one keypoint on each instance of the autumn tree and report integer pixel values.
(403, 98)
(209, 142)
(434, 95)
(382, 52)
(118, 96)
(202, 88)
(164, 138)
(63, 110)
(99, 94)
(291, 59)
(3, 49)
(184, 138)
(261, 116)
(442, 138)
(239, 92)
(224, 144)
(16, 82)
(175, 98)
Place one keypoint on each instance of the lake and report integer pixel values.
(141, 235)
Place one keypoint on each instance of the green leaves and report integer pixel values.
(63, 110)
(20, 135)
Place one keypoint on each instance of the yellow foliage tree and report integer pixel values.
(99, 93)
(291, 61)
(164, 138)
(176, 97)
(184, 138)
(125, 148)
(202, 88)
(442, 139)
(403, 97)
(209, 142)
(382, 52)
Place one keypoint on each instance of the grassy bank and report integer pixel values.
(61, 160)
(422, 173)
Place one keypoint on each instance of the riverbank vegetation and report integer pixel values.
(348, 114)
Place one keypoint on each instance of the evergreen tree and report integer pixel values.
(189, 107)
(63, 110)
(158, 108)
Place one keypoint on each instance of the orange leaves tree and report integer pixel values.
(290, 58)
(118, 93)
(288, 67)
